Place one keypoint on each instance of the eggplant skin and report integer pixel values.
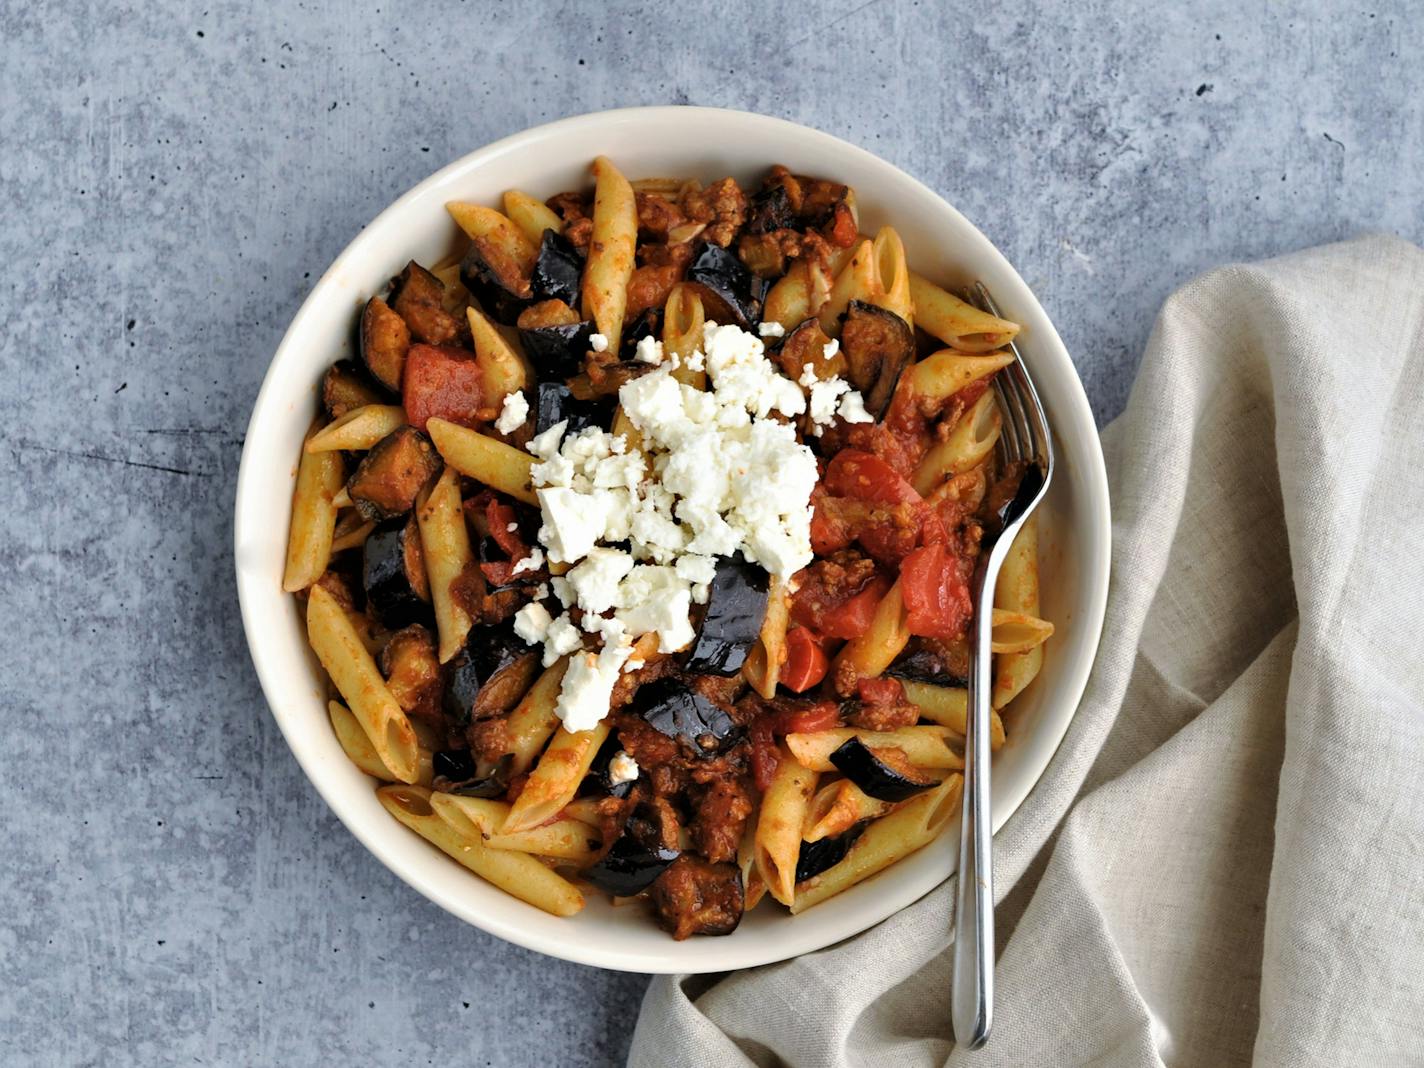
(817, 857)
(418, 297)
(346, 387)
(770, 210)
(393, 575)
(489, 676)
(557, 352)
(556, 403)
(877, 776)
(720, 271)
(385, 339)
(878, 346)
(494, 283)
(635, 859)
(558, 270)
(647, 323)
(924, 665)
(672, 708)
(455, 772)
(598, 770)
(393, 473)
(736, 607)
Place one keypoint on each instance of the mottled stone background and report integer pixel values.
(174, 177)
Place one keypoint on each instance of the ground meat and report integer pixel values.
(576, 211)
(489, 739)
(579, 233)
(412, 672)
(656, 216)
(649, 286)
(719, 689)
(472, 592)
(651, 748)
(828, 583)
(720, 817)
(697, 897)
(629, 681)
(883, 706)
(722, 206)
(335, 584)
(900, 452)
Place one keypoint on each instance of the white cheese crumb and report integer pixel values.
(649, 350)
(532, 622)
(852, 408)
(514, 414)
(588, 687)
(511, 527)
(561, 637)
(622, 768)
(771, 328)
(808, 376)
(598, 342)
(533, 562)
(830, 348)
(595, 581)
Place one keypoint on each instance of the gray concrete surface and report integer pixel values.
(174, 176)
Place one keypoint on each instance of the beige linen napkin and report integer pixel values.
(1225, 860)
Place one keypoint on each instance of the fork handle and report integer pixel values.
(972, 993)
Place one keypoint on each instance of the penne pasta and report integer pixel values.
(562, 839)
(946, 372)
(967, 446)
(351, 532)
(926, 747)
(555, 778)
(358, 429)
(359, 750)
(1018, 632)
(356, 678)
(892, 275)
(778, 829)
(342, 498)
(753, 885)
(532, 216)
(837, 807)
(501, 243)
(888, 634)
(1017, 591)
(789, 301)
(445, 544)
(483, 458)
(762, 669)
(668, 187)
(912, 826)
(515, 873)
(856, 281)
(943, 315)
(532, 723)
(948, 706)
(502, 366)
(320, 477)
(610, 251)
(683, 319)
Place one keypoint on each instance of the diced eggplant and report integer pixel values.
(698, 897)
(556, 403)
(393, 573)
(557, 352)
(825, 854)
(884, 774)
(345, 387)
(412, 672)
(455, 771)
(921, 662)
(720, 271)
(770, 210)
(644, 324)
(736, 607)
(489, 676)
(395, 470)
(806, 344)
(385, 339)
(600, 772)
(558, 271)
(496, 281)
(636, 858)
(878, 345)
(419, 299)
(702, 727)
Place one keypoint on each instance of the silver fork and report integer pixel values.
(1025, 436)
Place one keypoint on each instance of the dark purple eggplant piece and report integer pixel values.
(725, 275)
(385, 339)
(817, 857)
(770, 210)
(736, 607)
(703, 728)
(498, 288)
(879, 774)
(697, 897)
(456, 772)
(919, 663)
(558, 272)
(598, 771)
(878, 346)
(557, 352)
(489, 676)
(346, 387)
(556, 403)
(393, 573)
(645, 324)
(418, 297)
(392, 474)
(636, 858)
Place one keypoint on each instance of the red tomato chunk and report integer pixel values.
(936, 595)
(806, 662)
(441, 382)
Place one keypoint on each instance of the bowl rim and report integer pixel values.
(575, 950)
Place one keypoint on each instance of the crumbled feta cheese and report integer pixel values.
(808, 376)
(588, 687)
(546, 445)
(693, 568)
(511, 527)
(852, 408)
(532, 622)
(533, 562)
(562, 637)
(595, 581)
(598, 342)
(634, 665)
(824, 398)
(622, 768)
(649, 350)
(771, 328)
(513, 414)
(563, 590)
(572, 522)
(830, 348)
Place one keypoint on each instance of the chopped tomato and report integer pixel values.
(858, 474)
(936, 595)
(440, 381)
(497, 572)
(500, 517)
(764, 754)
(806, 662)
(881, 691)
(852, 618)
(822, 716)
(972, 392)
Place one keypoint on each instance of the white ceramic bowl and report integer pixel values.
(646, 142)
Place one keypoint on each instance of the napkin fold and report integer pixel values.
(1224, 863)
